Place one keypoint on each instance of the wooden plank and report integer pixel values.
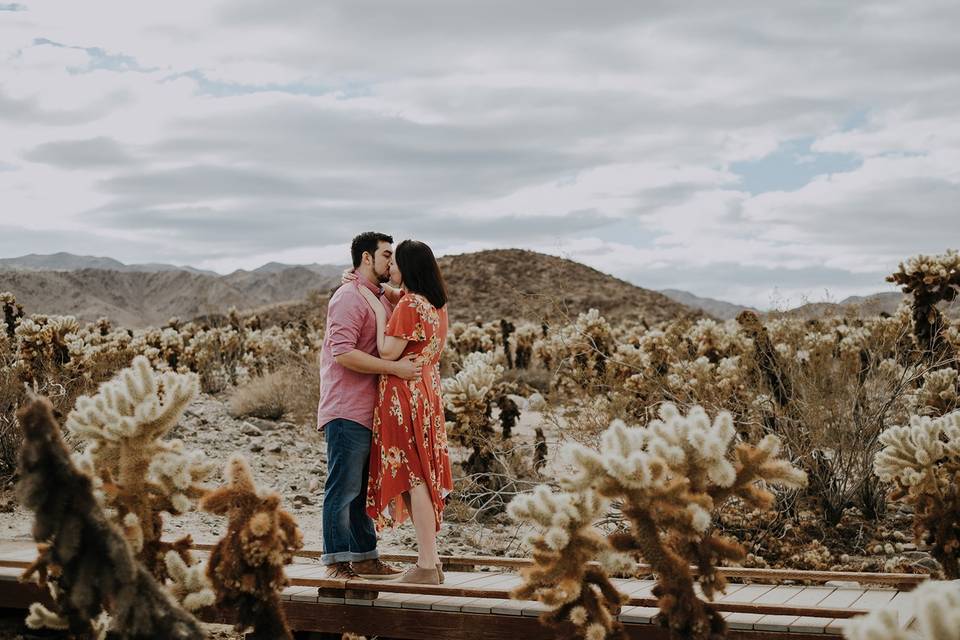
(748, 593)
(454, 603)
(811, 596)
(841, 598)
(810, 624)
(837, 627)
(481, 605)
(390, 600)
(534, 609)
(638, 615)
(728, 572)
(509, 607)
(738, 620)
(778, 595)
(775, 623)
(289, 592)
(307, 595)
(873, 599)
(904, 604)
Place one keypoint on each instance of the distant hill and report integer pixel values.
(871, 305)
(325, 270)
(509, 283)
(719, 309)
(514, 283)
(137, 299)
(63, 261)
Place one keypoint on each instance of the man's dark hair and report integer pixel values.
(368, 241)
(420, 271)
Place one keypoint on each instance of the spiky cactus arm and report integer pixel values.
(246, 565)
(930, 280)
(922, 459)
(670, 476)
(937, 523)
(681, 611)
(143, 475)
(12, 312)
(94, 567)
(584, 601)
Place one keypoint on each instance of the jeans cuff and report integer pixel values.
(348, 556)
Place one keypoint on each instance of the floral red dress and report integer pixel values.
(409, 444)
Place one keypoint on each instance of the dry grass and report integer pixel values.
(290, 392)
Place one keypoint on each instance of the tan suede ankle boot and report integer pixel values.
(418, 575)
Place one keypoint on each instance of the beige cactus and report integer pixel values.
(671, 477)
(922, 459)
(140, 474)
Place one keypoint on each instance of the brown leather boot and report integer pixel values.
(375, 569)
(341, 571)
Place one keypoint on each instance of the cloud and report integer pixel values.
(81, 154)
(719, 148)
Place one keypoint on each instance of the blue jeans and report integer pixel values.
(348, 532)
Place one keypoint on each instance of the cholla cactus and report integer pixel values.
(939, 394)
(189, 585)
(767, 357)
(562, 576)
(468, 396)
(923, 460)
(715, 340)
(83, 558)
(141, 475)
(466, 339)
(246, 566)
(525, 338)
(12, 312)
(936, 607)
(671, 476)
(579, 352)
(930, 280)
(44, 341)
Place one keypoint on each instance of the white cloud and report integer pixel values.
(233, 132)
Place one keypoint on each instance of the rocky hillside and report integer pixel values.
(514, 283)
(138, 299)
(509, 283)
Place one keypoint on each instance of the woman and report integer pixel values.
(409, 461)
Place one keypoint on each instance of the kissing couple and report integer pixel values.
(381, 409)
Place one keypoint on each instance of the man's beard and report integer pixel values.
(383, 278)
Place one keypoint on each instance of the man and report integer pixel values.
(348, 393)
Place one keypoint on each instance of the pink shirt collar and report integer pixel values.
(377, 289)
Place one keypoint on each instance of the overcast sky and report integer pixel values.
(759, 152)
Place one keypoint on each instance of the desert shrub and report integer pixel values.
(468, 397)
(669, 480)
(83, 557)
(246, 565)
(931, 280)
(138, 474)
(290, 392)
(578, 354)
(922, 460)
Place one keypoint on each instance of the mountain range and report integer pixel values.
(494, 284)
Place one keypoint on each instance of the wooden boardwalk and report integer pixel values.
(476, 604)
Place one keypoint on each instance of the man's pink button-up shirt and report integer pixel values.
(351, 324)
